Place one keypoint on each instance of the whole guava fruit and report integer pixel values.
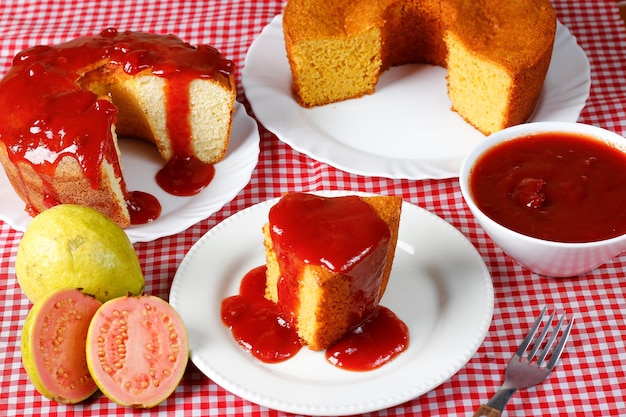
(72, 246)
(53, 345)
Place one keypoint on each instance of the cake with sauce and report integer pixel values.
(65, 105)
(496, 53)
(329, 261)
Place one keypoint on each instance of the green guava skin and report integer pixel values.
(72, 246)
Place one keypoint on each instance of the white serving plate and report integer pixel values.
(406, 128)
(440, 287)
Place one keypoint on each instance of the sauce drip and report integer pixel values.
(554, 186)
(256, 324)
(183, 174)
(53, 117)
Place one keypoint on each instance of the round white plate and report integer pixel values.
(141, 162)
(439, 287)
(394, 133)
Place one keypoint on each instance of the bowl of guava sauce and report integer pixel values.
(551, 195)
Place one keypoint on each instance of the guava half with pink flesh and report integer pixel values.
(53, 345)
(137, 350)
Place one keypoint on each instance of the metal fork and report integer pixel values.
(522, 372)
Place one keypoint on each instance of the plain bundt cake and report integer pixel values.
(329, 261)
(497, 53)
(64, 106)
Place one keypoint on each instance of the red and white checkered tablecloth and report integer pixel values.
(591, 377)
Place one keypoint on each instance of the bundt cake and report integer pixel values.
(66, 104)
(496, 53)
(329, 261)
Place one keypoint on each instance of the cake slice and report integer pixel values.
(329, 261)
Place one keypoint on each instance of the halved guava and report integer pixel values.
(53, 345)
(137, 350)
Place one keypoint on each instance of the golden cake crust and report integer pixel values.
(337, 50)
(70, 186)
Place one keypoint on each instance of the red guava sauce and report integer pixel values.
(256, 323)
(554, 186)
(142, 207)
(185, 175)
(375, 342)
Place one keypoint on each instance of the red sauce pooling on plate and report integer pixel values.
(554, 186)
(372, 344)
(344, 235)
(185, 175)
(256, 323)
(51, 117)
(143, 207)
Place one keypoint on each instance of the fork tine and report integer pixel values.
(560, 346)
(531, 333)
(539, 340)
(550, 341)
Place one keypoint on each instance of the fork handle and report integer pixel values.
(486, 411)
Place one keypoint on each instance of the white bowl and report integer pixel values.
(555, 259)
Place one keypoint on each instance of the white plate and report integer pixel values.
(439, 287)
(393, 133)
(141, 161)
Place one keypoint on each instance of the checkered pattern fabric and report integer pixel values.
(591, 377)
